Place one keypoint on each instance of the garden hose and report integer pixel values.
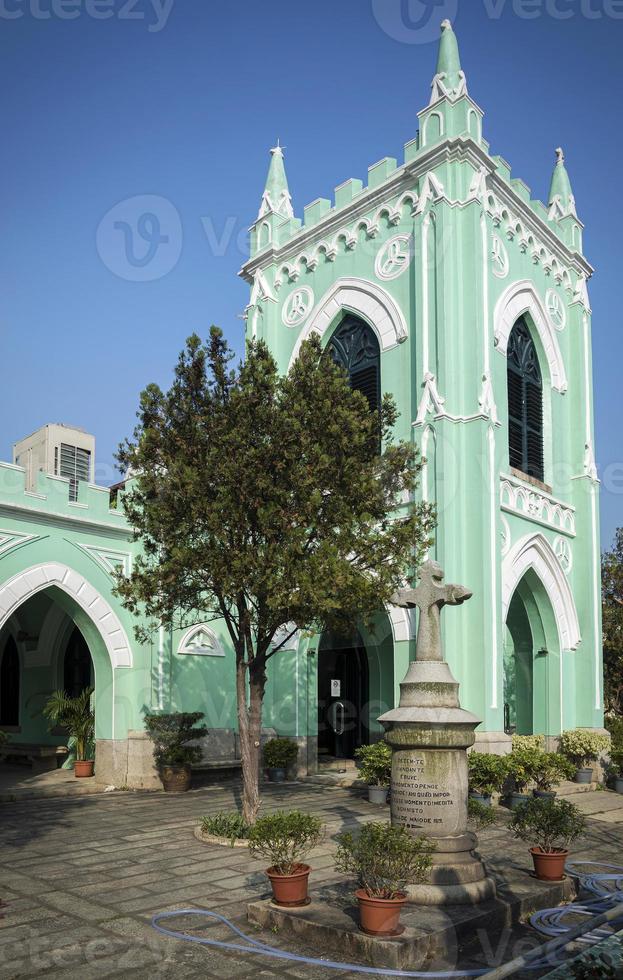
(607, 886)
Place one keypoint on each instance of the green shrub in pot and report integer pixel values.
(547, 770)
(486, 773)
(76, 715)
(173, 755)
(383, 859)
(284, 839)
(375, 768)
(279, 753)
(583, 747)
(550, 826)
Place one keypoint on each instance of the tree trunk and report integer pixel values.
(250, 728)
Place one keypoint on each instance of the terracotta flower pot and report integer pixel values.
(83, 767)
(175, 779)
(549, 866)
(380, 916)
(290, 890)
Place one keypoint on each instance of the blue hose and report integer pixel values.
(549, 922)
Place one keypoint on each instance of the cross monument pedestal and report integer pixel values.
(429, 734)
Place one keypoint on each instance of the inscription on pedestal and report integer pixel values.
(427, 792)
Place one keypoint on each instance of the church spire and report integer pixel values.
(276, 197)
(561, 200)
(449, 80)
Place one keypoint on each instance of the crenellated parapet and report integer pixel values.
(51, 500)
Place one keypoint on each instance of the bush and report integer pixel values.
(480, 814)
(383, 858)
(614, 724)
(616, 762)
(528, 742)
(279, 753)
(170, 735)
(376, 763)
(582, 746)
(520, 765)
(230, 825)
(548, 769)
(549, 824)
(487, 772)
(285, 838)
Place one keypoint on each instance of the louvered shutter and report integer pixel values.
(525, 403)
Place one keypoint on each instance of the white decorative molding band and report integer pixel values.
(536, 505)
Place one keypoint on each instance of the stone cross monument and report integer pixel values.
(429, 734)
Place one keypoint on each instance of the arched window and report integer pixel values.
(355, 348)
(525, 403)
(77, 670)
(9, 684)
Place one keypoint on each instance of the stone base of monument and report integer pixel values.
(457, 876)
(435, 938)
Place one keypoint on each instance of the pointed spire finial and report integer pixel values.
(276, 197)
(560, 200)
(449, 81)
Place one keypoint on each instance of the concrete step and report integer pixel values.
(328, 763)
(347, 778)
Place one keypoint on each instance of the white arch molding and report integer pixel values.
(519, 298)
(365, 299)
(21, 587)
(402, 622)
(534, 552)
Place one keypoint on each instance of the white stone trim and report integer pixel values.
(365, 299)
(519, 298)
(535, 505)
(402, 622)
(21, 587)
(534, 551)
(214, 650)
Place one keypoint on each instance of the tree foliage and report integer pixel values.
(263, 500)
(612, 611)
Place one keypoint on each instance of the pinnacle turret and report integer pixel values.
(276, 197)
(449, 81)
(561, 200)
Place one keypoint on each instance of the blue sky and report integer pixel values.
(108, 100)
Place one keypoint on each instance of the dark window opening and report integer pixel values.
(355, 348)
(9, 685)
(525, 403)
(77, 668)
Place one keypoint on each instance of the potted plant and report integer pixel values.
(284, 839)
(481, 815)
(519, 765)
(551, 825)
(548, 769)
(383, 859)
(173, 756)
(487, 773)
(76, 715)
(375, 768)
(582, 747)
(279, 753)
(616, 769)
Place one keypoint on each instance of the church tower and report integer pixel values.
(475, 296)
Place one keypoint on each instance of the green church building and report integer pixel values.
(442, 281)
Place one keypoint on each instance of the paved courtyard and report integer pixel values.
(82, 876)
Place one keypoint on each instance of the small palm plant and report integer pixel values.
(76, 715)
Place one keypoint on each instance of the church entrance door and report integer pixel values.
(343, 696)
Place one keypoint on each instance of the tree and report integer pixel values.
(612, 612)
(263, 500)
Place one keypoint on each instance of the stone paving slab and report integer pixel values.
(61, 871)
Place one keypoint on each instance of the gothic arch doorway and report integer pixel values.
(531, 661)
(343, 695)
